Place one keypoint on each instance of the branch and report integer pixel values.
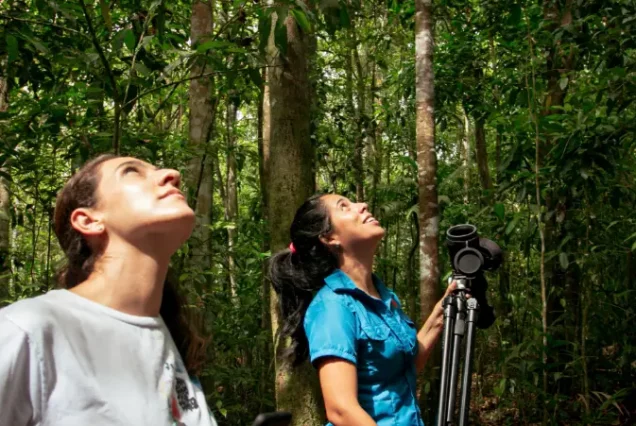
(196, 77)
(100, 52)
(41, 23)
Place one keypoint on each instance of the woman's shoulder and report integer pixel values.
(330, 304)
(34, 313)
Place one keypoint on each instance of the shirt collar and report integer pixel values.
(340, 282)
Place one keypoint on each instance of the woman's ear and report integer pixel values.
(87, 222)
(330, 240)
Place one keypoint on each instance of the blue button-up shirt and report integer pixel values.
(374, 334)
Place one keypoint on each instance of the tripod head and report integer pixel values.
(470, 256)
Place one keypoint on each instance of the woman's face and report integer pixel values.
(136, 199)
(352, 223)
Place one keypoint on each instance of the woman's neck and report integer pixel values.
(361, 273)
(128, 280)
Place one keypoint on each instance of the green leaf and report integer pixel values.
(255, 76)
(511, 225)
(212, 44)
(12, 48)
(500, 211)
(38, 44)
(106, 14)
(145, 41)
(563, 260)
(501, 387)
(563, 83)
(280, 37)
(301, 20)
(515, 15)
(264, 30)
(129, 40)
(142, 69)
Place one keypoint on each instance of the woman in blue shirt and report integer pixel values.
(341, 316)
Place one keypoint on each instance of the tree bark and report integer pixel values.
(360, 117)
(560, 283)
(288, 157)
(465, 150)
(426, 156)
(427, 172)
(5, 198)
(202, 116)
(482, 156)
(231, 205)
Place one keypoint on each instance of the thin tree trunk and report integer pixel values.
(360, 117)
(498, 156)
(5, 198)
(266, 372)
(231, 205)
(289, 164)
(426, 157)
(202, 117)
(427, 168)
(482, 156)
(466, 154)
(375, 141)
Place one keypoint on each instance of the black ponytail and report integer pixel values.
(296, 275)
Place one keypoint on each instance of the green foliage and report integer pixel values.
(567, 83)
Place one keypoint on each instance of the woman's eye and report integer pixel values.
(130, 169)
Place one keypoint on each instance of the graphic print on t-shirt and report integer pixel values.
(182, 400)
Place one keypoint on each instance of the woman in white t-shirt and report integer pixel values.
(114, 345)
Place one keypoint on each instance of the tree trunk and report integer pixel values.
(267, 377)
(202, 116)
(560, 283)
(289, 171)
(482, 157)
(360, 117)
(231, 205)
(426, 165)
(375, 142)
(426, 157)
(465, 150)
(5, 198)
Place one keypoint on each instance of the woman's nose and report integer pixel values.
(169, 176)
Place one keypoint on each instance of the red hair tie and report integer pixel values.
(292, 248)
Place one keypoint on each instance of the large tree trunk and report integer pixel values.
(426, 161)
(202, 116)
(231, 204)
(289, 175)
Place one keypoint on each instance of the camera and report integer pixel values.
(471, 255)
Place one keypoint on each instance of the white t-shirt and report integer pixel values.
(69, 361)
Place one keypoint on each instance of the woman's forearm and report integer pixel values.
(426, 340)
(352, 415)
(428, 336)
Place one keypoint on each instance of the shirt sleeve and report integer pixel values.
(331, 331)
(15, 375)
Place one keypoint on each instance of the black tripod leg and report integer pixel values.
(473, 312)
(458, 335)
(447, 348)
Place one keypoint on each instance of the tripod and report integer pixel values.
(460, 316)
